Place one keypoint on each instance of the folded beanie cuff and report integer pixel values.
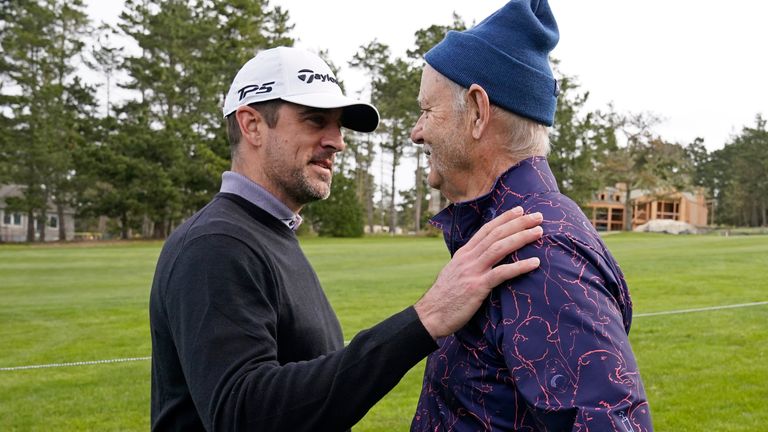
(510, 83)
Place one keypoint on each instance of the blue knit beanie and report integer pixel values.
(507, 54)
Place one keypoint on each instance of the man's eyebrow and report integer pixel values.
(305, 110)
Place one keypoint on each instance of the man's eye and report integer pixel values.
(317, 120)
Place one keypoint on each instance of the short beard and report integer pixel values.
(454, 152)
(295, 184)
(303, 191)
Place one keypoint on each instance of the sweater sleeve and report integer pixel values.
(565, 345)
(223, 320)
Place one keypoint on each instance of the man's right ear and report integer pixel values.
(251, 124)
(480, 110)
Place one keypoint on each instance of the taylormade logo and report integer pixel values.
(308, 76)
(255, 89)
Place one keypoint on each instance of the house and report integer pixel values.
(13, 224)
(606, 210)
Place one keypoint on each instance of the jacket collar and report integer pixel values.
(460, 221)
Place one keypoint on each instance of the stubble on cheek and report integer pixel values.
(311, 187)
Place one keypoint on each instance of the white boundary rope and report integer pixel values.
(80, 363)
(704, 309)
(132, 359)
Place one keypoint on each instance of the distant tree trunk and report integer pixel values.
(42, 224)
(755, 216)
(102, 226)
(146, 226)
(419, 191)
(62, 227)
(393, 191)
(369, 186)
(159, 231)
(364, 180)
(628, 210)
(124, 226)
(30, 226)
(369, 203)
(42, 221)
(382, 191)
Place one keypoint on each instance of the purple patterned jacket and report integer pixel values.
(549, 350)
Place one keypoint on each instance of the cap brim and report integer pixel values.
(356, 115)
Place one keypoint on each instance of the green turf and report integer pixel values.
(703, 371)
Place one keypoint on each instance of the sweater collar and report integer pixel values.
(459, 221)
(238, 184)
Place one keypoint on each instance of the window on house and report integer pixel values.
(668, 210)
(601, 214)
(11, 218)
(53, 221)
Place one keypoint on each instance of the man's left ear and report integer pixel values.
(479, 108)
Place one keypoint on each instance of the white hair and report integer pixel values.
(525, 138)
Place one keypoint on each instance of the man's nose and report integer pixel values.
(416, 133)
(334, 139)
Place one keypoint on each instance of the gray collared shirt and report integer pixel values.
(238, 184)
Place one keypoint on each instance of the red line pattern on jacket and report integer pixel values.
(549, 351)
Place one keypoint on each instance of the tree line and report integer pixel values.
(149, 161)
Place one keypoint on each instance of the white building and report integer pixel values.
(13, 224)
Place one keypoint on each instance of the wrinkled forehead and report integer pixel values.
(433, 85)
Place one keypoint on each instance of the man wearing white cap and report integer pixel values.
(243, 337)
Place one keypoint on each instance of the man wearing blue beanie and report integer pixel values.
(549, 350)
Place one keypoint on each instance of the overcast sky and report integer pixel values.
(700, 65)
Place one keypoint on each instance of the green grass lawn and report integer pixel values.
(704, 371)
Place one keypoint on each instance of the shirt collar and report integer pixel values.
(459, 221)
(238, 184)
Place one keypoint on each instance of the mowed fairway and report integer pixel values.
(703, 371)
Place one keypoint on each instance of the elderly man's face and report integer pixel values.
(442, 130)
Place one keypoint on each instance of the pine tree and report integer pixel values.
(742, 170)
(341, 215)
(189, 54)
(41, 41)
(579, 139)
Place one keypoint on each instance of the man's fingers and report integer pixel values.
(492, 248)
(505, 272)
(506, 245)
(510, 228)
(471, 274)
(486, 229)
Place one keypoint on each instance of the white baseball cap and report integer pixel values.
(297, 76)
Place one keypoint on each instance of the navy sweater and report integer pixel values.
(243, 337)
